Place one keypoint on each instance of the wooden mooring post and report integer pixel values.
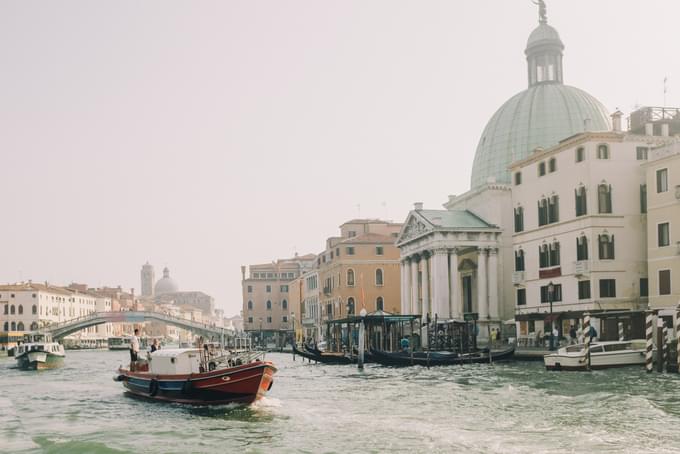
(664, 338)
(659, 345)
(621, 336)
(586, 339)
(677, 340)
(649, 332)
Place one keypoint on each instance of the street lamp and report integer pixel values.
(261, 339)
(292, 316)
(551, 289)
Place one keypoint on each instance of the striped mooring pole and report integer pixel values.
(677, 338)
(621, 337)
(649, 332)
(659, 344)
(586, 338)
(665, 346)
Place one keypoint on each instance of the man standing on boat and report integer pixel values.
(134, 346)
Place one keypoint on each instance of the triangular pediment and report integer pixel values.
(414, 227)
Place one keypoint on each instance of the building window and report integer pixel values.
(582, 248)
(349, 250)
(663, 234)
(329, 309)
(12, 309)
(606, 246)
(379, 277)
(583, 290)
(664, 282)
(644, 286)
(34, 326)
(350, 306)
(34, 309)
(14, 326)
(541, 169)
(269, 305)
(284, 289)
(521, 297)
(519, 260)
(250, 319)
(351, 234)
(379, 250)
(555, 254)
(20, 326)
(21, 309)
(518, 178)
(250, 305)
(552, 165)
(641, 153)
(6, 310)
(250, 289)
(519, 219)
(350, 278)
(603, 152)
(607, 288)
(556, 295)
(269, 289)
(553, 209)
(643, 198)
(284, 305)
(549, 256)
(662, 180)
(379, 303)
(269, 319)
(542, 212)
(581, 201)
(604, 198)
(6, 327)
(256, 275)
(284, 319)
(580, 154)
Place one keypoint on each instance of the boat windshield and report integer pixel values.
(618, 347)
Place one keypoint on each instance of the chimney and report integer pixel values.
(664, 129)
(418, 206)
(587, 124)
(616, 120)
(649, 129)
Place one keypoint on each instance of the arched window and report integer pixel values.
(541, 169)
(379, 277)
(519, 260)
(6, 327)
(34, 309)
(20, 326)
(34, 326)
(14, 326)
(350, 278)
(12, 310)
(602, 151)
(269, 305)
(582, 248)
(543, 256)
(6, 310)
(21, 309)
(350, 306)
(606, 246)
(284, 304)
(250, 305)
(604, 198)
(552, 165)
(379, 303)
(581, 201)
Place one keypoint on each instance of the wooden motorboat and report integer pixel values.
(38, 351)
(603, 355)
(189, 376)
(440, 358)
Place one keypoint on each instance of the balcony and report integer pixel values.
(518, 277)
(581, 267)
(547, 273)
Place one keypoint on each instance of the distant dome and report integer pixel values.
(540, 116)
(166, 284)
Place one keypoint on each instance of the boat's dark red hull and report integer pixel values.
(241, 384)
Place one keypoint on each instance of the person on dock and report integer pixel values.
(572, 335)
(134, 346)
(404, 344)
(493, 337)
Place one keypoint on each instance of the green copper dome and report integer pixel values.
(540, 116)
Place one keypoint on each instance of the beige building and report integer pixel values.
(360, 270)
(266, 297)
(662, 174)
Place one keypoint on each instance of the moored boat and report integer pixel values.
(324, 357)
(38, 352)
(190, 376)
(603, 355)
(428, 359)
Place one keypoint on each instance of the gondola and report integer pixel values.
(440, 358)
(325, 358)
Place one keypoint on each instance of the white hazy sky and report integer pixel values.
(203, 135)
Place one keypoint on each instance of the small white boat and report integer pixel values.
(603, 355)
(38, 351)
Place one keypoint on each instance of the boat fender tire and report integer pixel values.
(120, 377)
(187, 386)
(153, 387)
(271, 383)
(212, 366)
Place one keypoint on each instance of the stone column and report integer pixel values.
(414, 286)
(425, 262)
(456, 301)
(482, 300)
(440, 289)
(494, 311)
(405, 287)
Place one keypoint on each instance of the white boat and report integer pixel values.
(119, 343)
(603, 355)
(38, 351)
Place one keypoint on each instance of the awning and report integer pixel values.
(509, 322)
(552, 317)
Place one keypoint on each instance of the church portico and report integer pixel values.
(450, 261)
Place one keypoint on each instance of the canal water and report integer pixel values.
(514, 407)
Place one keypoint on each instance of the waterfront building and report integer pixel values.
(360, 270)
(266, 294)
(148, 276)
(662, 174)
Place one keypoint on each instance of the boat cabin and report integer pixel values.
(175, 361)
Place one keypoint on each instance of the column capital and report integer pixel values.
(481, 250)
(453, 251)
(493, 250)
(441, 251)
